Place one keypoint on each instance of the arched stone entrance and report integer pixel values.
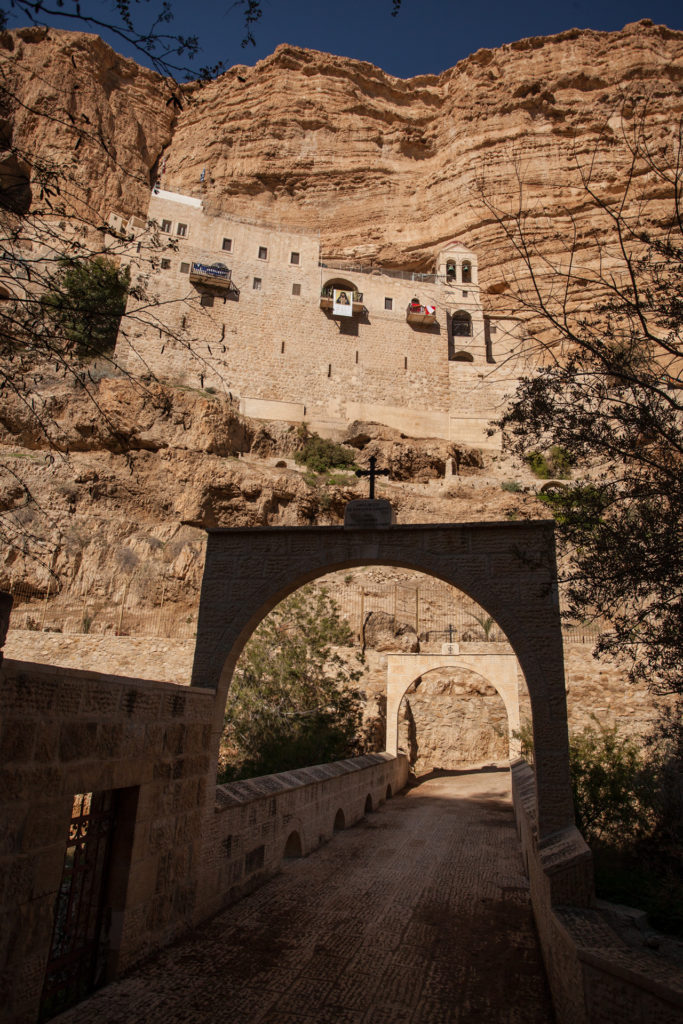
(507, 568)
(498, 669)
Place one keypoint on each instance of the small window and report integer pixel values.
(465, 294)
(388, 303)
(166, 227)
(181, 230)
(262, 252)
(257, 284)
(296, 289)
(184, 268)
(494, 329)
(227, 245)
(461, 324)
(294, 259)
(165, 264)
(206, 300)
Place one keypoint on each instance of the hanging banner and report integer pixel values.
(342, 302)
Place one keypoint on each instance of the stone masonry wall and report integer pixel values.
(268, 345)
(66, 732)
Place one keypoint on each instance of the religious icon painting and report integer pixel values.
(342, 302)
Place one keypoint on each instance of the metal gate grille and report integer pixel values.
(73, 964)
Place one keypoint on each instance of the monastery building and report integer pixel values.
(252, 309)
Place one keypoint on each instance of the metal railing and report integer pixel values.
(327, 292)
(210, 270)
(401, 275)
(143, 608)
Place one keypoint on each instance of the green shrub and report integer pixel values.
(293, 700)
(86, 301)
(511, 485)
(556, 463)
(340, 479)
(319, 454)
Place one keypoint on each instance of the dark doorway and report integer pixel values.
(75, 966)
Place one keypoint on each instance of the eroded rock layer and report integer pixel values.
(385, 168)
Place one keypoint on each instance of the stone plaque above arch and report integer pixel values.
(507, 568)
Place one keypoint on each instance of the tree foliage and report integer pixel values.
(293, 700)
(86, 301)
(610, 396)
(612, 784)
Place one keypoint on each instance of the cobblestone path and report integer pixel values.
(418, 915)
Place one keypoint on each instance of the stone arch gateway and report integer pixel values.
(507, 568)
(499, 670)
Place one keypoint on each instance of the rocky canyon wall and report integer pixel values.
(386, 169)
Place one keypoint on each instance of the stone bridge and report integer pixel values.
(112, 819)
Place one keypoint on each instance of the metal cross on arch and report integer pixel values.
(372, 473)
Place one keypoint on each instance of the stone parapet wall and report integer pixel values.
(259, 822)
(594, 976)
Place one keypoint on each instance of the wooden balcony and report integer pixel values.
(421, 314)
(215, 274)
(327, 301)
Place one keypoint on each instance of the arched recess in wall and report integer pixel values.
(466, 272)
(461, 324)
(327, 290)
(462, 357)
(293, 847)
(508, 569)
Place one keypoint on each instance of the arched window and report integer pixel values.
(368, 804)
(461, 324)
(450, 270)
(339, 821)
(463, 357)
(466, 272)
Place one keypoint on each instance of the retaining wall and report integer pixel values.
(594, 976)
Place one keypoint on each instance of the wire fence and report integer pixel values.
(138, 607)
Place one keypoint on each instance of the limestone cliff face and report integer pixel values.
(69, 103)
(386, 169)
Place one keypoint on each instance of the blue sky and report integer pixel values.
(426, 37)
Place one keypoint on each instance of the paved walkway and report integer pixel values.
(418, 915)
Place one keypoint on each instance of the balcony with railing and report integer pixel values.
(215, 274)
(327, 297)
(416, 313)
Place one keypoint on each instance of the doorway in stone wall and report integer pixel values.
(77, 959)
